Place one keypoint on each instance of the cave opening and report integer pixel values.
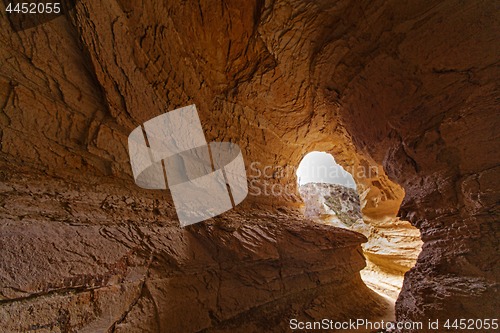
(329, 191)
(331, 197)
(320, 167)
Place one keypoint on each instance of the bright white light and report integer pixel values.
(319, 167)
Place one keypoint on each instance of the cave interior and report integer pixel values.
(408, 90)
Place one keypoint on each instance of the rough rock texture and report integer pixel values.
(393, 245)
(428, 110)
(331, 199)
(77, 258)
(408, 90)
(392, 249)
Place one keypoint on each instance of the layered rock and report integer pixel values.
(392, 249)
(406, 90)
(433, 127)
(331, 200)
(393, 245)
(131, 268)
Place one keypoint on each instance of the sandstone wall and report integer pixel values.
(112, 258)
(409, 87)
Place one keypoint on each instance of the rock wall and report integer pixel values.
(427, 110)
(393, 245)
(332, 200)
(409, 90)
(112, 258)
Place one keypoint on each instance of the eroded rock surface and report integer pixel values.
(399, 92)
(330, 199)
(133, 269)
(393, 244)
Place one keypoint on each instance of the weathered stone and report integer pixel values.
(406, 89)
